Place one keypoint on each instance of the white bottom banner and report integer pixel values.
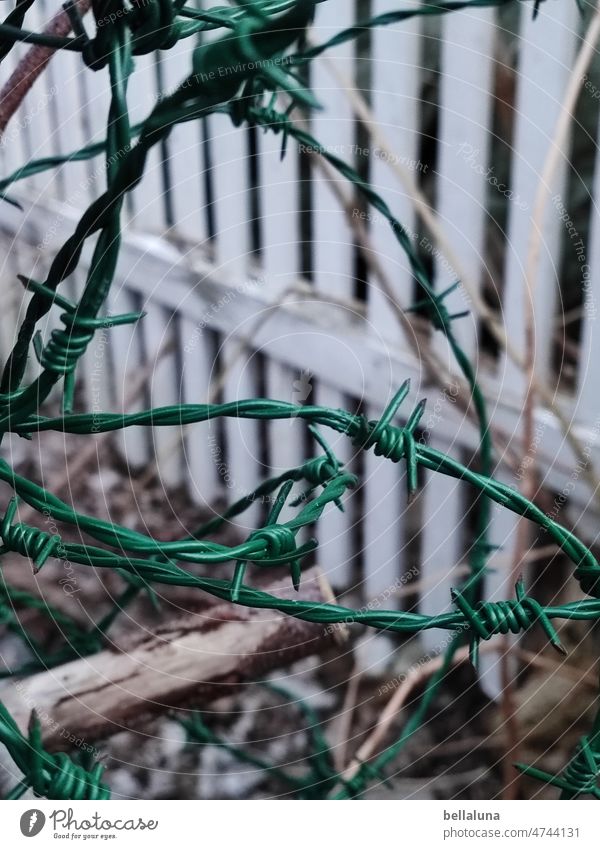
(422, 825)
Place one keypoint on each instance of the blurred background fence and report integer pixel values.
(263, 277)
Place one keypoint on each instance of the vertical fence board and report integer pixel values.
(128, 358)
(232, 247)
(184, 160)
(465, 100)
(165, 390)
(202, 447)
(587, 407)
(279, 205)
(442, 547)
(498, 584)
(12, 143)
(336, 531)
(333, 244)
(395, 101)
(146, 202)
(465, 120)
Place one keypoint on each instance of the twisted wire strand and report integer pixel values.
(583, 770)
(54, 776)
(489, 618)
(66, 346)
(152, 23)
(580, 777)
(384, 437)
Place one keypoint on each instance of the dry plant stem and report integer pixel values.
(511, 780)
(344, 724)
(192, 660)
(414, 677)
(427, 215)
(31, 66)
(530, 485)
(420, 674)
(341, 634)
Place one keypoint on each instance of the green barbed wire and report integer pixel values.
(257, 32)
(55, 776)
(154, 24)
(396, 443)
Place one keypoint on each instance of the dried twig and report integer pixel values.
(189, 661)
(32, 64)
(414, 677)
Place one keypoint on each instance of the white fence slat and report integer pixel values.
(465, 120)
(96, 104)
(335, 530)
(498, 583)
(396, 107)
(279, 212)
(244, 467)
(70, 179)
(395, 99)
(10, 303)
(229, 177)
(441, 549)
(587, 407)
(203, 451)
(12, 144)
(279, 205)
(16, 258)
(333, 127)
(465, 113)
(93, 372)
(12, 311)
(165, 390)
(147, 199)
(232, 216)
(286, 444)
(333, 246)
(383, 527)
(544, 69)
(285, 436)
(128, 357)
(96, 97)
(185, 152)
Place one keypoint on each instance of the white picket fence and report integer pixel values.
(214, 253)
